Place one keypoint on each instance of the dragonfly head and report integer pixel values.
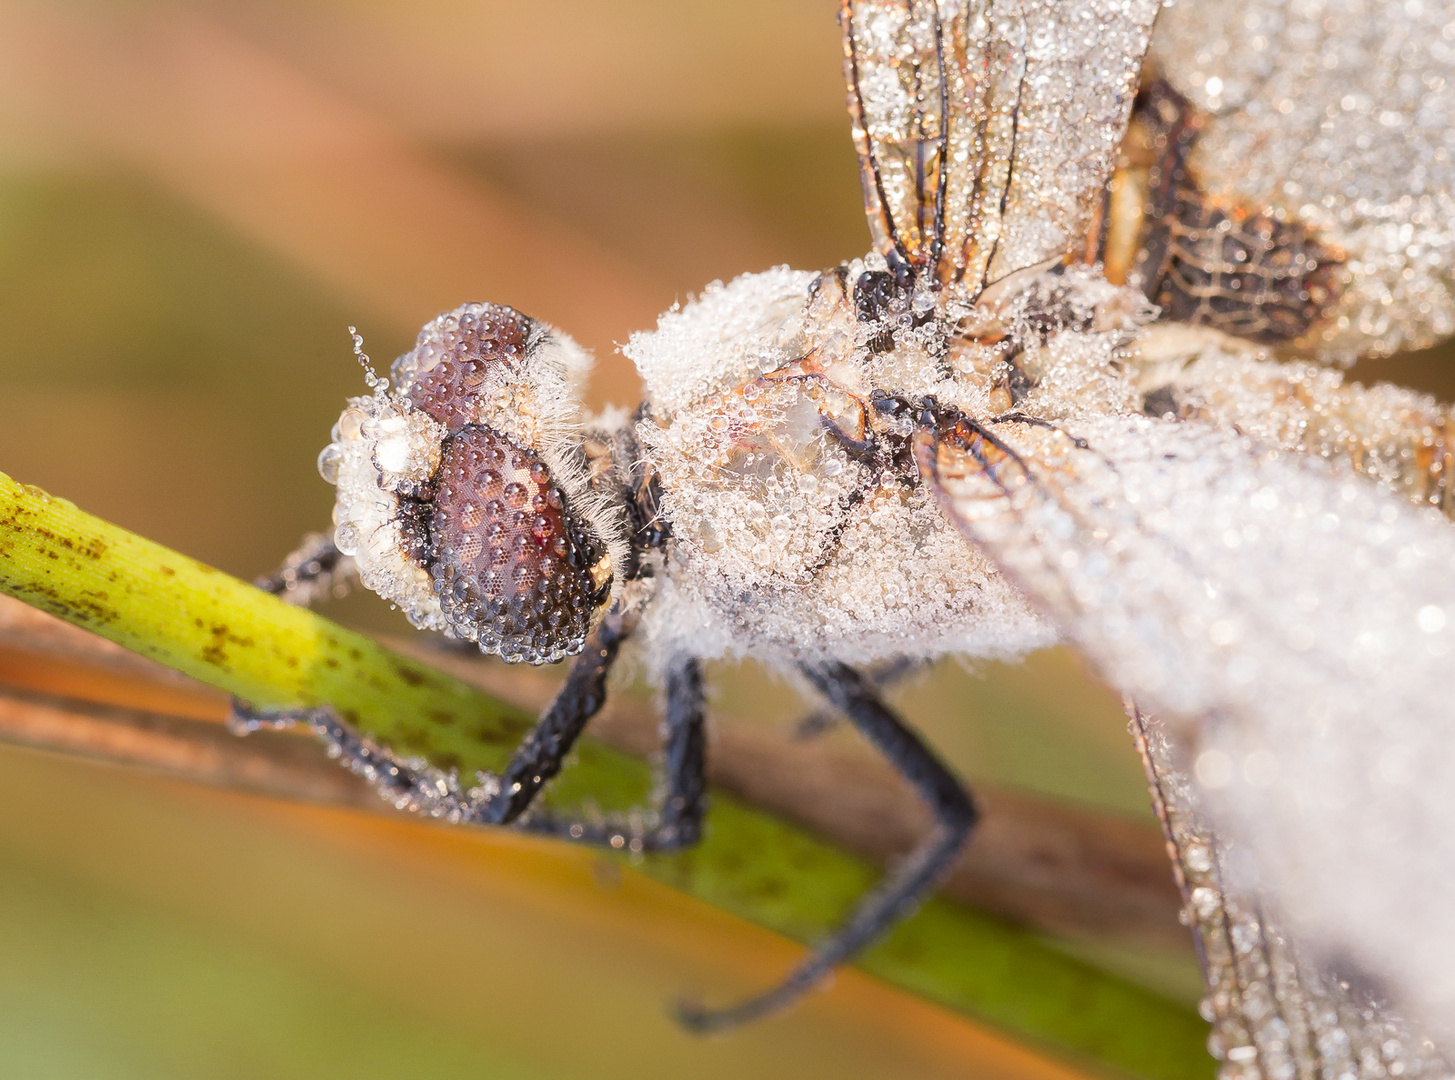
(462, 495)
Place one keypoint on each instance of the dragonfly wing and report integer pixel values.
(895, 67)
(987, 129)
(1274, 1011)
(1303, 615)
(1338, 115)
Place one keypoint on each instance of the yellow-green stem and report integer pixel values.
(226, 633)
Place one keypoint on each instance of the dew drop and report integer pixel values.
(328, 462)
(346, 538)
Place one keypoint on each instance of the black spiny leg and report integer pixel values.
(315, 570)
(503, 799)
(544, 750)
(678, 822)
(684, 755)
(878, 677)
(498, 800)
(906, 885)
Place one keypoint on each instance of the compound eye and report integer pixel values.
(446, 493)
(513, 567)
(465, 364)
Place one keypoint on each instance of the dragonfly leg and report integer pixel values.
(543, 751)
(879, 677)
(677, 823)
(905, 886)
(315, 570)
(505, 798)
(497, 799)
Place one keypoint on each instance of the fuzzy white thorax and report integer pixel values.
(787, 547)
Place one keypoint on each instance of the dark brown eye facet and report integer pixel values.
(512, 567)
(453, 361)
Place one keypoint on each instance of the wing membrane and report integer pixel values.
(1274, 1012)
(987, 129)
(894, 62)
(1340, 115)
(1304, 614)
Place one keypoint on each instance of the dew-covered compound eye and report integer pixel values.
(461, 495)
(507, 557)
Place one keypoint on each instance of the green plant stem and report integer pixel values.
(224, 632)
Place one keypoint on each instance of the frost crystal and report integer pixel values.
(730, 334)
(787, 547)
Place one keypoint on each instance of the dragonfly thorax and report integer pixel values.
(800, 525)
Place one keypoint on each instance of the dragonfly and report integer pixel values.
(1085, 386)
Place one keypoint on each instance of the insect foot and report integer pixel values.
(410, 784)
(463, 494)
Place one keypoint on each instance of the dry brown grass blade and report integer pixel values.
(1064, 869)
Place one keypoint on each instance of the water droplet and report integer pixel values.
(392, 455)
(346, 538)
(328, 462)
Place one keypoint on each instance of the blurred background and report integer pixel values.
(196, 201)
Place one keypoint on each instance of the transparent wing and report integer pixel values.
(895, 65)
(1340, 115)
(987, 129)
(1274, 1012)
(1303, 615)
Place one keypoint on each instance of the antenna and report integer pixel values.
(371, 377)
